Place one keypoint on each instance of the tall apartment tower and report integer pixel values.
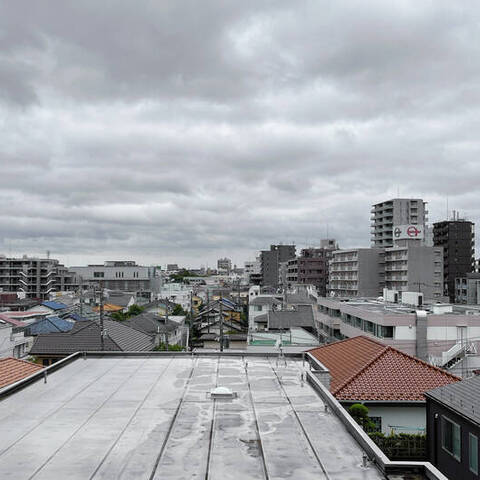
(399, 211)
(270, 260)
(457, 237)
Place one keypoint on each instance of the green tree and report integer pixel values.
(178, 310)
(359, 413)
(119, 316)
(134, 310)
(171, 348)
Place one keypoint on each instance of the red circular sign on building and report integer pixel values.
(413, 231)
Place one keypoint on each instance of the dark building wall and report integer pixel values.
(270, 260)
(458, 241)
(313, 268)
(437, 455)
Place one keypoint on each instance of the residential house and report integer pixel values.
(230, 311)
(86, 336)
(169, 331)
(49, 325)
(260, 305)
(120, 299)
(389, 382)
(50, 307)
(453, 428)
(13, 342)
(13, 370)
(11, 301)
(24, 317)
(295, 316)
(214, 327)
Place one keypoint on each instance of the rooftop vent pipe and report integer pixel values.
(222, 392)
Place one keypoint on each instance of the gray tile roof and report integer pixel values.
(302, 316)
(127, 338)
(150, 323)
(208, 336)
(299, 299)
(462, 397)
(226, 326)
(261, 318)
(237, 337)
(265, 301)
(119, 300)
(85, 336)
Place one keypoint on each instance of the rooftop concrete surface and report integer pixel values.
(153, 418)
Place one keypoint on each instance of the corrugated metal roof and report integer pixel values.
(12, 321)
(54, 305)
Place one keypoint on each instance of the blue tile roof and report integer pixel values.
(49, 325)
(54, 305)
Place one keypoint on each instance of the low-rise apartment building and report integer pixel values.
(467, 289)
(120, 275)
(457, 237)
(270, 260)
(407, 266)
(442, 334)
(356, 272)
(413, 267)
(313, 267)
(34, 277)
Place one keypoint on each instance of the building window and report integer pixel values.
(386, 331)
(98, 274)
(377, 421)
(368, 326)
(451, 438)
(473, 453)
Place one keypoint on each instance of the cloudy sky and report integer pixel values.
(183, 131)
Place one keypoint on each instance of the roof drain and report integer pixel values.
(222, 392)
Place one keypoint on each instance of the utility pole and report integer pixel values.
(221, 324)
(102, 339)
(81, 296)
(191, 306)
(166, 324)
(208, 312)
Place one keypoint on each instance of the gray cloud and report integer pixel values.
(179, 131)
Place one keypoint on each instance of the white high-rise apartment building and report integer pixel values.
(391, 213)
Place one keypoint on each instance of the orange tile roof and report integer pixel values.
(12, 370)
(364, 369)
(109, 307)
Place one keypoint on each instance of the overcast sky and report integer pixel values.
(183, 131)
